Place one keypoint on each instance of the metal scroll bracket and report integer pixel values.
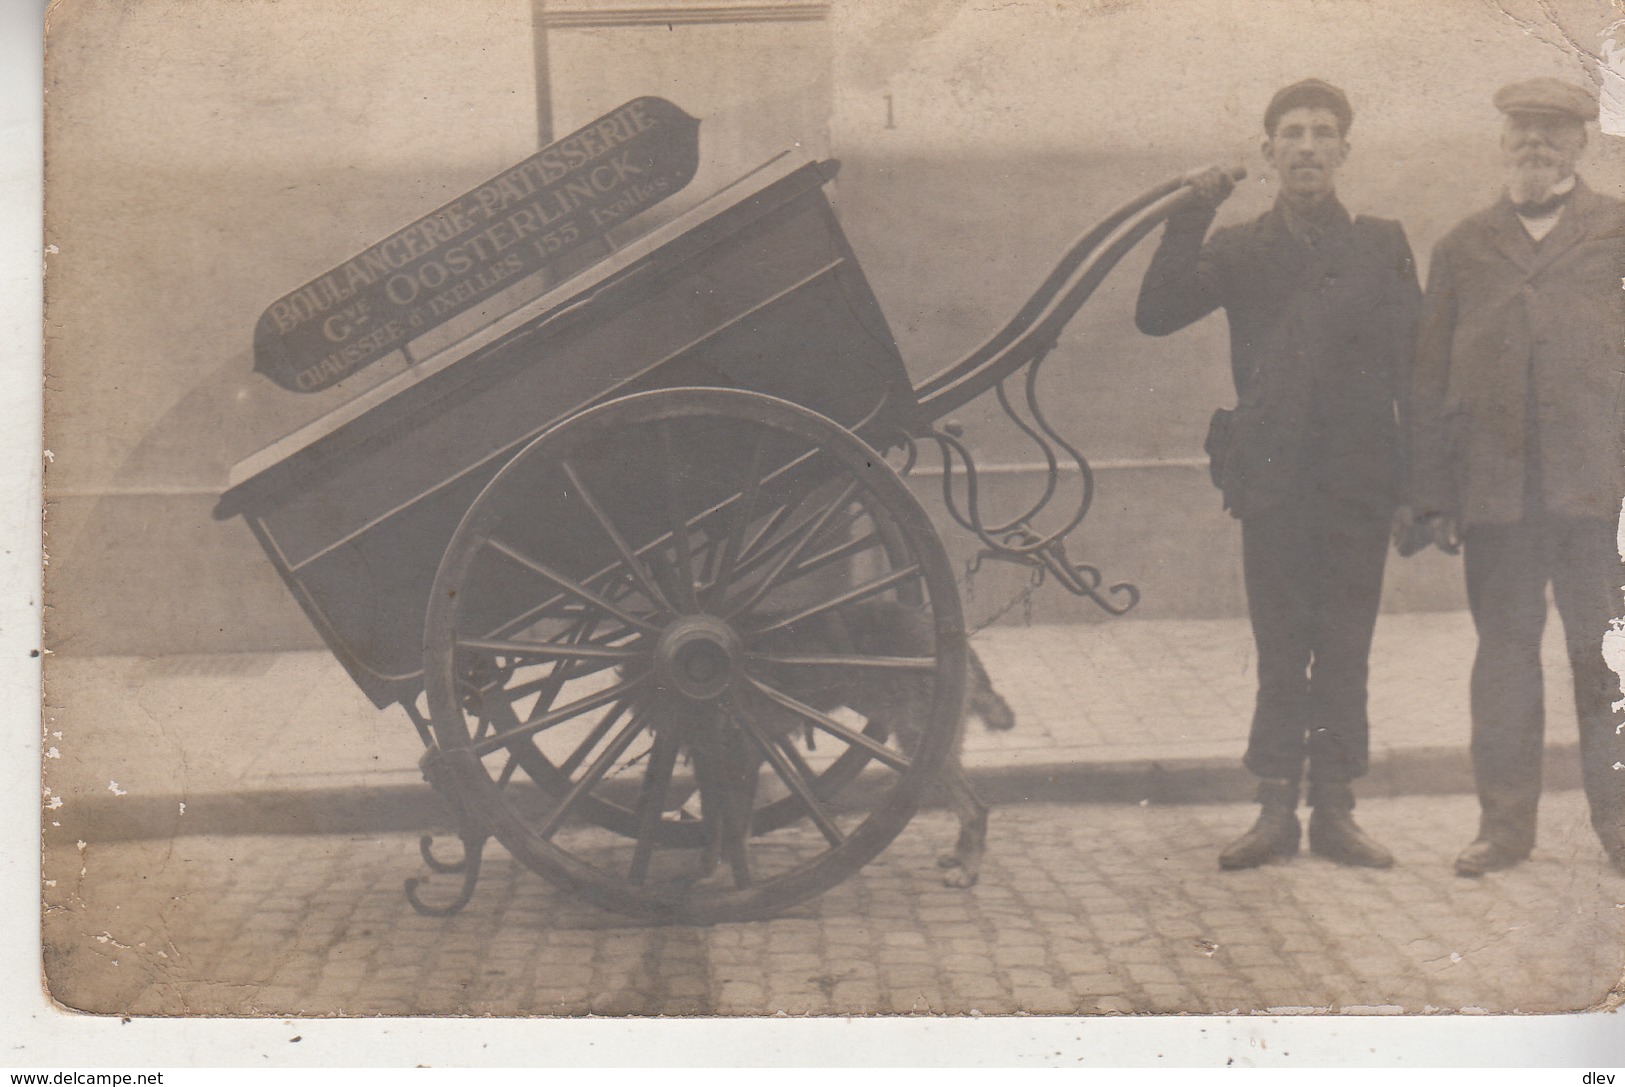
(470, 829)
(1049, 558)
(1017, 540)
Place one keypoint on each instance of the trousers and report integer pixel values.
(1313, 571)
(1508, 568)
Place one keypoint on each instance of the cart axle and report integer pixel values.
(700, 657)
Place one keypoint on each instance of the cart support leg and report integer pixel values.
(473, 850)
(470, 829)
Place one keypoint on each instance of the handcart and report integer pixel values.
(606, 552)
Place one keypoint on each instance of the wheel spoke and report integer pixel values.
(495, 713)
(593, 775)
(500, 714)
(599, 731)
(759, 548)
(851, 596)
(740, 508)
(735, 503)
(752, 556)
(554, 717)
(574, 588)
(833, 727)
(548, 686)
(742, 514)
(579, 636)
(652, 799)
(909, 664)
(736, 562)
(540, 611)
(803, 538)
(835, 554)
(628, 558)
(555, 678)
(487, 723)
(684, 574)
(550, 650)
(758, 557)
(794, 772)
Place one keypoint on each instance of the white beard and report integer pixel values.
(1533, 183)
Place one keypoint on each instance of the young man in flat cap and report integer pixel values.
(1322, 313)
(1517, 447)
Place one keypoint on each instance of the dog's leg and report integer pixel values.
(711, 815)
(724, 800)
(963, 866)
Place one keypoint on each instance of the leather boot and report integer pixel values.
(1275, 835)
(1487, 855)
(1332, 832)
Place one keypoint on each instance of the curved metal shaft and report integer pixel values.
(1023, 343)
(1036, 327)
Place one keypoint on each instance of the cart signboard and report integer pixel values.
(525, 219)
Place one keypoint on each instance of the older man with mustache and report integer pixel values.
(1517, 450)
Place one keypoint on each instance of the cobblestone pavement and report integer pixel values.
(1082, 909)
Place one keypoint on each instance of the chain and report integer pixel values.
(1023, 598)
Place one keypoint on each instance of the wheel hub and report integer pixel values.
(699, 657)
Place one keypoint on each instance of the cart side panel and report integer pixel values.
(780, 307)
(367, 598)
(769, 310)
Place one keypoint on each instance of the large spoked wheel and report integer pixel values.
(693, 655)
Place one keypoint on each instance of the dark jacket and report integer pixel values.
(1320, 350)
(1503, 310)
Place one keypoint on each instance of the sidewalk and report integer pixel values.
(1127, 710)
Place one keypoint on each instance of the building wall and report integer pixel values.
(757, 74)
(189, 186)
(203, 159)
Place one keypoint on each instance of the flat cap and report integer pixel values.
(1311, 94)
(1547, 95)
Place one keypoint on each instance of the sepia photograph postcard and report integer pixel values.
(833, 508)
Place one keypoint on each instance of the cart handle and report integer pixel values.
(1038, 324)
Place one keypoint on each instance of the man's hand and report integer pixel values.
(1444, 531)
(1409, 535)
(1213, 185)
(1412, 533)
(1447, 534)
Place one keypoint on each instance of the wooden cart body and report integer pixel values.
(756, 289)
(635, 541)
